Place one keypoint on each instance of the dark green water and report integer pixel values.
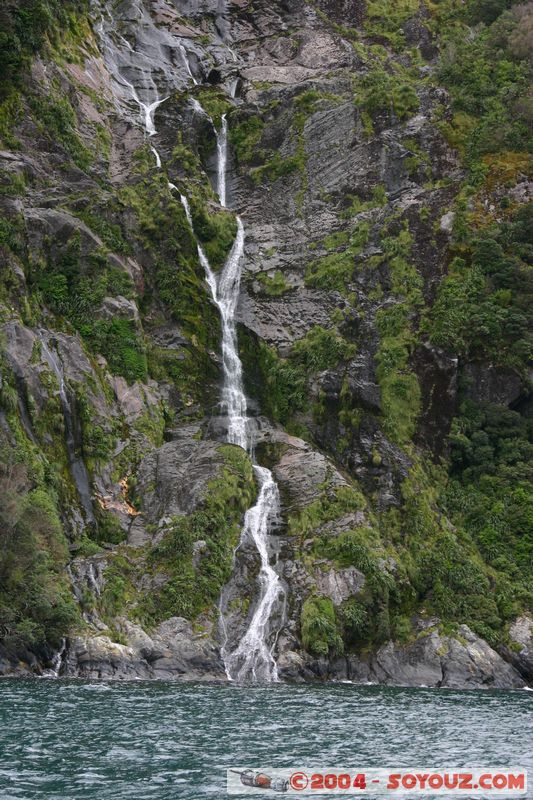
(68, 740)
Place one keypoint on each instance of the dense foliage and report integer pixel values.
(459, 543)
(36, 606)
(25, 27)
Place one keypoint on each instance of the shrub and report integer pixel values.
(320, 634)
(118, 341)
(36, 606)
(321, 349)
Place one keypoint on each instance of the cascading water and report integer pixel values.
(57, 661)
(222, 158)
(252, 659)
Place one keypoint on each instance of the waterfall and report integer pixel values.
(252, 659)
(77, 466)
(57, 661)
(222, 158)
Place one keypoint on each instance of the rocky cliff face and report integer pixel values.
(377, 408)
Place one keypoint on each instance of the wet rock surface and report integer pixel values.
(165, 441)
(433, 660)
(172, 652)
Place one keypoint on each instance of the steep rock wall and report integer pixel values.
(351, 188)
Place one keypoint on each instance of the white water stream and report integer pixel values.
(253, 658)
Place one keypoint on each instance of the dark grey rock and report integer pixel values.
(487, 383)
(520, 650)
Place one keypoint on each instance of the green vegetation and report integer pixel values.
(489, 79)
(334, 272)
(216, 231)
(26, 27)
(380, 91)
(334, 502)
(320, 633)
(274, 286)
(400, 390)
(118, 341)
(192, 589)
(490, 496)
(245, 136)
(450, 575)
(215, 102)
(279, 385)
(36, 606)
(277, 167)
(321, 349)
(384, 19)
(109, 232)
(74, 287)
(57, 119)
(484, 306)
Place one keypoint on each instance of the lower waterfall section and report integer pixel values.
(253, 657)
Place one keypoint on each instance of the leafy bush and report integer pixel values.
(36, 606)
(274, 286)
(321, 349)
(245, 136)
(381, 91)
(331, 505)
(25, 27)
(118, 341)
(489, 77)
(216, 231)
(58, 120)
(320, 634)
(279, 384)
(483, 307)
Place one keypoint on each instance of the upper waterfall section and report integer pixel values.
(151, 52)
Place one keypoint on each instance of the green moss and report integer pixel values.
(216, 230)
(320, 633)
(57, 119)
(11, 110)
(321, 349)
(400, 390)
(278, 384)
(119, 342)
(335, 240)
(384, 19)
(380, 91)
(214, 101)
(110, 233)
(335, 270)
(277, 167)
(191, 590)
(12, 184)
(274, 286)
(245, 137)
(333, 503)
(357, 205)
(27, 28)
(483, 306)
(36, 606)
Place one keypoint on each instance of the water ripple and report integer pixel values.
(69, 740)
